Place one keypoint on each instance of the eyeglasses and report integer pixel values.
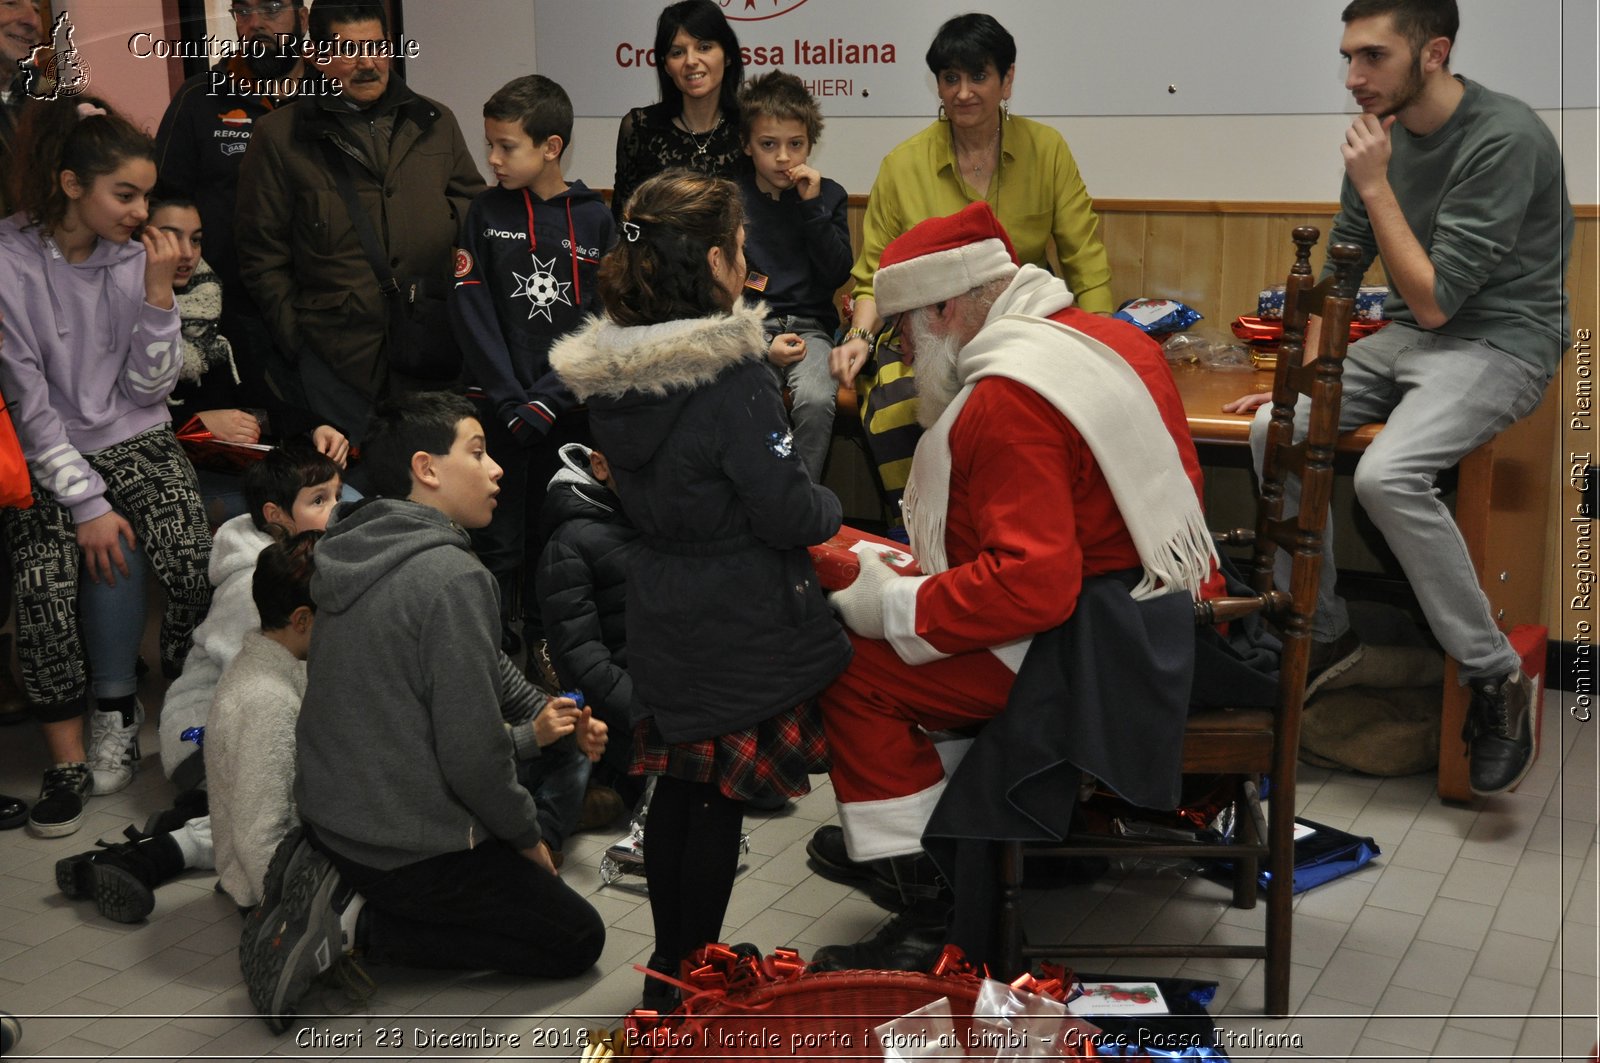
(269, 10)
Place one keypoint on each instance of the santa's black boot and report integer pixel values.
(912, 939)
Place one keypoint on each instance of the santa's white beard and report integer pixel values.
(935, 376)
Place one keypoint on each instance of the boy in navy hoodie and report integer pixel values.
(797, 243)
(525, 276)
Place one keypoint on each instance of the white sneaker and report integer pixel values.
(113, 749)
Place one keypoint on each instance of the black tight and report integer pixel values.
(691, 853)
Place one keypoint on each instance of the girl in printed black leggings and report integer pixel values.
(91, 351)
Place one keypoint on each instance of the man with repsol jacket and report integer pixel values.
(525, 274)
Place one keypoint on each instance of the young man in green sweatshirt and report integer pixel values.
(1461, 190)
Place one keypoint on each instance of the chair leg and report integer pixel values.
(1280, 894)
(1010, 927)
(1247, 869)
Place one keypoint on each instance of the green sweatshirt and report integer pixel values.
(1485, 194)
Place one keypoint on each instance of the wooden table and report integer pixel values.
(1502, 508)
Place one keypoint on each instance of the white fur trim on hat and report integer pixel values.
(940, 275)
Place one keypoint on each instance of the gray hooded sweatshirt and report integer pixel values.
(402, 751)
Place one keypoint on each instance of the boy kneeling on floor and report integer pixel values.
(406, 783)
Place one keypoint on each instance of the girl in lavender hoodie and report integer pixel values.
(91, 351)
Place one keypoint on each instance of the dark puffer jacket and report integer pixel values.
(726, 621)
(583, 586)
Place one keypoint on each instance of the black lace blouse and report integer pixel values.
(648, 141)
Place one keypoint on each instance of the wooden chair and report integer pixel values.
(1248, 744)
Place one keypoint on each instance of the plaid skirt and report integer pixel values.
(776, 756)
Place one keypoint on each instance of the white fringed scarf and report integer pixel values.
(1104, 399)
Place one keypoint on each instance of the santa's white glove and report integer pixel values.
(860, 605)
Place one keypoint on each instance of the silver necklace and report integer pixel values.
(977, 168)
(700, 146)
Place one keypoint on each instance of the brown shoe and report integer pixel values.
(602, 806)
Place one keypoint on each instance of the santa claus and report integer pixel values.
(1056, 459)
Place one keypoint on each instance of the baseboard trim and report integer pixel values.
(1563, 662)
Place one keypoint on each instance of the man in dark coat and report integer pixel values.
(298, 249)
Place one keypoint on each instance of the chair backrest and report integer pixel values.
(1315, 373)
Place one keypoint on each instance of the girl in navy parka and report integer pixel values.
(729, 638)
(92, 349)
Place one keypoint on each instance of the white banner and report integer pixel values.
(864, 58)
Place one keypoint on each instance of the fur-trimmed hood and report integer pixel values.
(649, 373)
(605, 360)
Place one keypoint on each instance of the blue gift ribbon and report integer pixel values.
(197, 735)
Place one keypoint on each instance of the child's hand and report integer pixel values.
(540, 854)
(332, 442)
(786, 350)
(231, 426)
(555, 721)
(591, 735)
(101, 539)
(807, 181)
(160, 266)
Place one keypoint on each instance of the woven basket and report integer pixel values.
(811, 1017)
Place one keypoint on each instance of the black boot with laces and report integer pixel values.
(121, 876)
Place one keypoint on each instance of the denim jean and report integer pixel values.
(557, 778)
(112, 620)
(1440, 398)
(812, 392)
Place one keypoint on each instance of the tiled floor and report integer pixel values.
(1472, 937)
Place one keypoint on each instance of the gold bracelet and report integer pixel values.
(856, 332)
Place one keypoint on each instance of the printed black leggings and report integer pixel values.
(149, 481)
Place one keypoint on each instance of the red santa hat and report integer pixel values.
(942, 258)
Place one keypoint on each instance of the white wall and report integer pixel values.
(139, 87)
(469, 50)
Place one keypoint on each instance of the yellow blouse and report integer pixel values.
(1037, 194)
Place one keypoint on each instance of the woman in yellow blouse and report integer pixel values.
(979, 150)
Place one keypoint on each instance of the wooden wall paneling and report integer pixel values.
(1123, 235)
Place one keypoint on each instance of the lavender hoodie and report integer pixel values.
(86, 362)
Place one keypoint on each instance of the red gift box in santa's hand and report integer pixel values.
(838, 561)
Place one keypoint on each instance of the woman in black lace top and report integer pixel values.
(696, 124)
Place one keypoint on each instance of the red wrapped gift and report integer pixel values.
(838, 560)
(206, 451)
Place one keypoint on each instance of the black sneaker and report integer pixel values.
(295, 941)
(122, 876)
(910, 941)
(1330, 660)
(13, 812)
(1500, 733)
(59, 810)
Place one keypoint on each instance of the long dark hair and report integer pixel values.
(659, 270)
(54, 137)
(704, 21)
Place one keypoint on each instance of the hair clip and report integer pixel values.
(86, 110)
(631, 231)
